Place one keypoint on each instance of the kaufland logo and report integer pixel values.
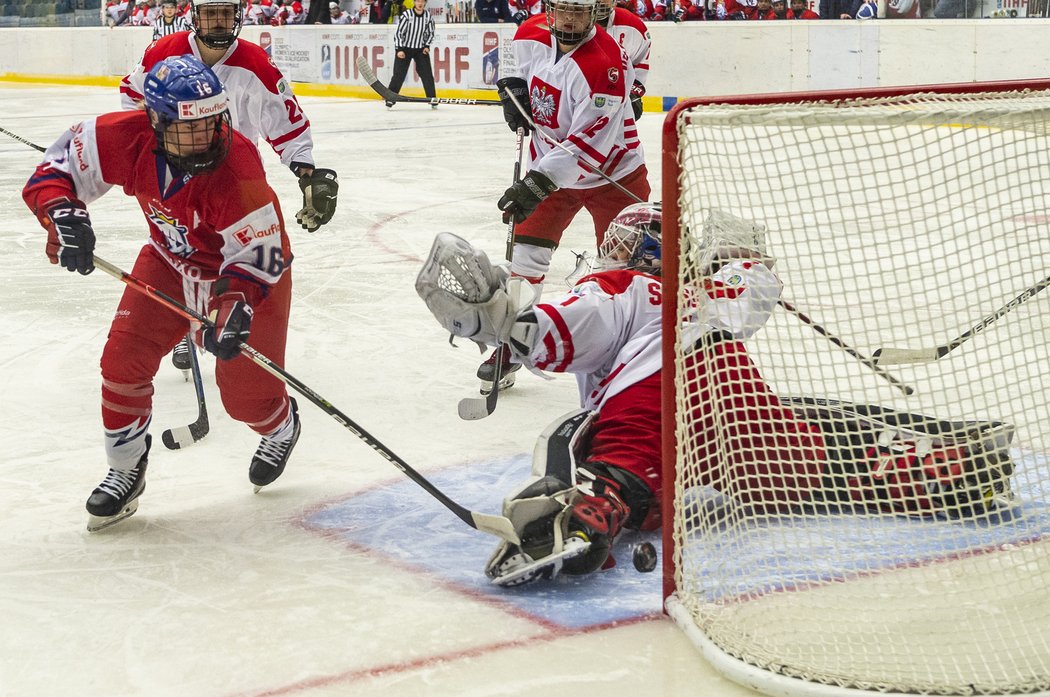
(248, 233)
(201, 108)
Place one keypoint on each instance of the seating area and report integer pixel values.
(50, 13)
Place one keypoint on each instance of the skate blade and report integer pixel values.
(505, 383)
(96, 523)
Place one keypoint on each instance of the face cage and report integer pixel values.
(213, 40)
(198, 162)
(602, 12)
(565, 37)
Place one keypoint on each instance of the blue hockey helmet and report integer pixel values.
(190, 113)
(633, 240)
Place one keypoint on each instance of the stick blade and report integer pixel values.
(185, 436)
(365, 69)
(897, 356)
(474, 408)
(495, 525)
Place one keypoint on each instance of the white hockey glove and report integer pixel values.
(473, 299)
(540, 512)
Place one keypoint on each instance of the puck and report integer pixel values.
(644, 557)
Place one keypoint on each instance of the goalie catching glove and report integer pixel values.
(320, 188)
(475, 300)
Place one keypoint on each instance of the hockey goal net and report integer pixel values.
(864, 526)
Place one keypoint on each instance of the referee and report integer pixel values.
(168, 23)
(415, 31)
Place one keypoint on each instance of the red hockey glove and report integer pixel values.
(232, 316)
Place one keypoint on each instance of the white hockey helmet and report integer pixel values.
(570, 21)
(220, 36)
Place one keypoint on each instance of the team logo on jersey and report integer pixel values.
(176, 236)
(544, 100)
(248, 233)
(599, 102)
(614, 75)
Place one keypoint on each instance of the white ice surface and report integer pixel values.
(210, 590)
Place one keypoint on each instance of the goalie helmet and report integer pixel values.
(189, 111)
(633, 240)
(216, 29)
(571, 21)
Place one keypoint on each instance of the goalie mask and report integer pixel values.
(189, 111)
(217, 22)
(571, 21)
(633, 240)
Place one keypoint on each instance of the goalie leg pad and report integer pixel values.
(911, 463)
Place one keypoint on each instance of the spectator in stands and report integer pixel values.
(491, 11)
(780, 9)
(799, 10)
(379, 11)
(643, 8)
(764, 10)
(951, 9)
(340, 17)
(741, 9)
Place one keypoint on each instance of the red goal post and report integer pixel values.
(986, 231)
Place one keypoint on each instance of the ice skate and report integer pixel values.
(117, 497)
(487, 372)
(180, 357)
(272, 455)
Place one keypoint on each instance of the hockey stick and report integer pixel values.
(893, 356)
(185, 436)
(474, 408)
(870, 362)
(494, 525)
(20, 139)
(389, 95)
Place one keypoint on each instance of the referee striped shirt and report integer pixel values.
(178, 23)
(413, 31)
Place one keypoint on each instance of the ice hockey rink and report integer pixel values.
(344, 577)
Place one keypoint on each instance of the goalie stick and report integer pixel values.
(492, 524)
(389, 95)
(894, 356)
(20, 139)
(185, 436)
(474, 408)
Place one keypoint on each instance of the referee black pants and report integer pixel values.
(426, 74)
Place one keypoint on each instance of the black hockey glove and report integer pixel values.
(70, 239)
(320, 189)
(520, 89)
(637, 90)
(520, 200)
(232, 316)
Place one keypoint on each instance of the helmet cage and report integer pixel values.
(587, 8)
(633, 240)
(176, 144)
(217, 39)
(603, 10)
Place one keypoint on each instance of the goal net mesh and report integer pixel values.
(829, 529)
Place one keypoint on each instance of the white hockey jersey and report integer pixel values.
(582, 100)
(607, 330)
(628, 30)
(261, 101)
